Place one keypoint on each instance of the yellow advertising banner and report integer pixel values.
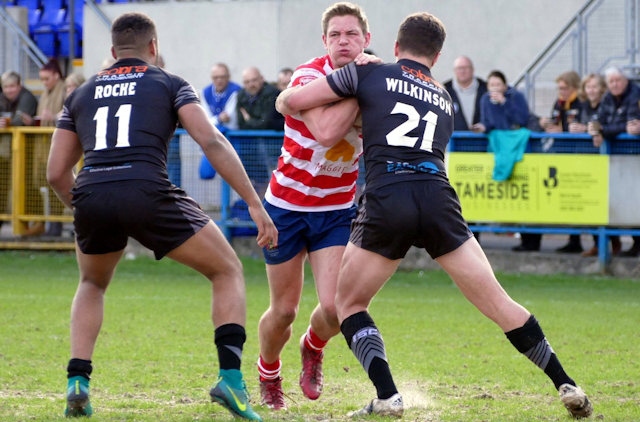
(543, 188)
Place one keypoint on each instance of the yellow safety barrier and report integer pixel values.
(23, 161)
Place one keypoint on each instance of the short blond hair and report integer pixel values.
(344, 8)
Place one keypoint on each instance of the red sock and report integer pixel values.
(313, 342)
(269, 371)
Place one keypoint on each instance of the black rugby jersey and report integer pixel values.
(125, 117)
(407, 119)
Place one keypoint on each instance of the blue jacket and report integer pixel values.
(513, 114)
(216, 103)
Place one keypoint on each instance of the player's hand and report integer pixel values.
(364, 58)
(267, 233)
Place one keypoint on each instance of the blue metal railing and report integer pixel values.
(264, 146)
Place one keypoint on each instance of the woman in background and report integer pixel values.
(592, 89)
(565, 111)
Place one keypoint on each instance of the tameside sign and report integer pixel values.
(543, 188)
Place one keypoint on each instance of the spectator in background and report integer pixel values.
(49, 106)
(508, 134)
(17, 103)
(220, 101)
(284, 77)
(565, 111)
(592, 90)
(502, 107)
(618, 113)
(257, 103)
(466, 90)
(52, 98)
(257, 110)
(16, 100)
(618, 109)
(567, 106)
(107, 62)
(72, 82)
(505, 108)
(221, 98)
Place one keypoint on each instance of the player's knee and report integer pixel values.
(329, 312)
(233, 267)
(285, 315)
(228, 269)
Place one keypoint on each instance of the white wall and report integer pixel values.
(497, 34)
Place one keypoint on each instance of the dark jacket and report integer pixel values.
(26, 103)
(459, 120)
(565, 112)
(587, 113)
(513, 114)
(261, 108)
(615, 112)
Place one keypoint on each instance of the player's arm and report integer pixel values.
(330, 123)
(295, 99)
(64, 154)
(225, 160)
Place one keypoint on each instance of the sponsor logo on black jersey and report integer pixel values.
(121, 73)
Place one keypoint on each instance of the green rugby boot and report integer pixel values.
(230, 391)
(78, 398)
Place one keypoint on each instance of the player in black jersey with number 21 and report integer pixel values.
(121, 121)
(407, 120)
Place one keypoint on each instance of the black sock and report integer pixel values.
(530, 341)
(229, 339)
(79, 367)
(366, 343)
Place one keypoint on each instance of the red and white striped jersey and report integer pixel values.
(309, 176)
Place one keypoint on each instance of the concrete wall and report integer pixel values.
(496, 34)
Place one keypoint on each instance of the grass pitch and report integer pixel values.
(155, 359)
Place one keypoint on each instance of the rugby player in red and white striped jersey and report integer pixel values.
(311, 200)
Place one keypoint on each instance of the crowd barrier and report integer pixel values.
(600, 199)
(599, 186)
(25, 196)
(599, 204)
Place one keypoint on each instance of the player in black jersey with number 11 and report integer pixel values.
(121, 121)
(407, 120)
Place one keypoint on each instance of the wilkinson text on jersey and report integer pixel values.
(422, 94)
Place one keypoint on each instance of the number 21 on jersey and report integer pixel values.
(398, 136)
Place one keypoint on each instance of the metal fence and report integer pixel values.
(26, 199)
(603, 33)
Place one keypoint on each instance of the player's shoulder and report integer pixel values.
(319, 63)
(310, 70)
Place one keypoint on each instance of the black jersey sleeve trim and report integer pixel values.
(344, 81)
